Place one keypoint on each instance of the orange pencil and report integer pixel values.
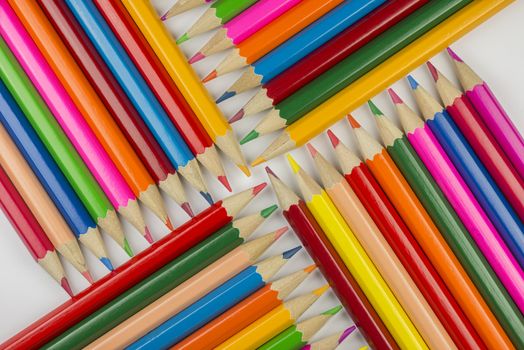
(426, 233)
(90, 105)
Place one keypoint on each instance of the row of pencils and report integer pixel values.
(93, 124)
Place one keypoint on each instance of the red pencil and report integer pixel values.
(405, 246)
(132, 272)
(163, 86)
(30, 231)
(328, 55)
(313, 238)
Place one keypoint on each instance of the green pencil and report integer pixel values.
(447, 221)
(179, 270)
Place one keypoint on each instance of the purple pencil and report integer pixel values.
(331, 342)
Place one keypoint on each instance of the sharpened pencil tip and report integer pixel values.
(66, 286)
(258, 161)
(187, 208)
(127, 248)
(312, 150)
(346, 333)
(310, 268)
(148, 236)
(394, 97)
(210, 76)
(333, 138)
(333, 311)
(321, 290)
(374, 109)
(292, 162)
(225, 96)
(164, 17)
(270, 172)
(412, 82)
(265, 213)
(432, 70)
(258, 188)
(207, 197)
(253, 134)
(238, 115)
(88, 277)
(280, 232)
(224, 181)
(288, 254)
(107, 263)
(353, 122)
(182, 39)
(199, 56)
(454, 55)
(169, 224)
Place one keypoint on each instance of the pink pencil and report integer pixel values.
(462, 200)
(492, 113)
(69, 117)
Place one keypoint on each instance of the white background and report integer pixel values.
(495, 50)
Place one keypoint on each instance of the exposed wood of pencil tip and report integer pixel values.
(409, 120)
(311, 326)
(369, 147)
(256, 247)
(211, 161)
(427, 104)
(299, 305)
(51, 263)
(388, 131)
(235, 203)
(208, 21)
(285, 195)
(248, 80)
(286, 285)
(270, 123)
(269, 267)
(447, 91)
(346, 158)
(282, 144)
(329, 176)
(231, 63)
(153, 200)
(329, 343)
(182, 6)
(112, 226)
(228, 144)
(173, 187)
(307, 185)
(467, 76)
(248, 224)
(131, 212)
(258, 103)
(93, 241)
(218, 43)
(191, 172)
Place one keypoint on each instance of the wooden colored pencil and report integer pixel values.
(123, 330)
(50, 177)
(467, 208)
(139, 93)
(159, 81)
(429, 237)
(40, 204)
(331, 265)
(234, 290)
(492, 112)
(490, 154)
(382, 76)
(272, 323)
(296, 336)
(90, 106)
(183, 6)
(422, 293)
(63, 153)
(274, 34)
(30, 232)
(70, 119)
(331, 342)
(186, 80)
(328, 55)
(300, 45)
(116, 101)
(129, 274)
(244, 313)
(357, 261)
(357, 65)
(246, 24)
(219, 13)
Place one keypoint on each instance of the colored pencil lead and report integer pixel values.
(258, 161)
(182, 39)
(258, 103)
(238, 115)
(127, 248)
(394, 97)
(253, 134)
(212, 75)
(331, 342)
(226, 95)
(182, 6)
(353, 122)
(196, 58)
(271, 122)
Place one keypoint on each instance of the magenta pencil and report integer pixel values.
(69, 117)
(492, 113)
(463, 201)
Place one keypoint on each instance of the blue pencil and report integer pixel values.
(138, 92)
(46, 170)
(473, 171)
(303, 43)
(213, 304)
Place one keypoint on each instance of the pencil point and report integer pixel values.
(280, 232)
(127, 248)
(333, 138)
(65, 285)
(258, 161)
(249, 137)
(258, 188)
(182, 39)
(268, 211)
(312, 150)
(88, 277)
(321, 290)
(224, 181)
(169, 224)
(333, 311)
(207, 197)
(147, 235)
(288, 254)
(394, 97)
(453, 55)
(310, 268)
(199, 56)
(412, 82)
(353, 122)
(164, 17)
(187, 208)
(374, 109)
(244, 169)
(432, 70)
(107, 263)
(238, 115)
(225, 96)
(346, 333)
(270, 172)
(294, 165)
(210, 76)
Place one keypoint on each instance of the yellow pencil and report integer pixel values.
(186, 79)
(371, 84)
(358, 262)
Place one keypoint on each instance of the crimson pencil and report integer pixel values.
(327, 259)
(132, 272)
(164, 88)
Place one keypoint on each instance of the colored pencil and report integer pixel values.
(219, 13)
(331, 265)
(272, 323)
(30, 232)
(50, 177)
(356, 65)
(90, 106)
(123, 330)
(139, 93)
(491, 112)
(183, 6)
(133, 272)
(244, 313)
(296, 336)
(429, 237)
(328, 55)
(503, 174)
(302, 44)
(70, 119)
(331, 342)
(40, 204)
(159, 81)
(467, 208)
(186, 80)
(357, 261)
(422, 293)
(382, 76)
(57, 144)
(234, 290)
(274, 34)
(246, 24)
(116, 101)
